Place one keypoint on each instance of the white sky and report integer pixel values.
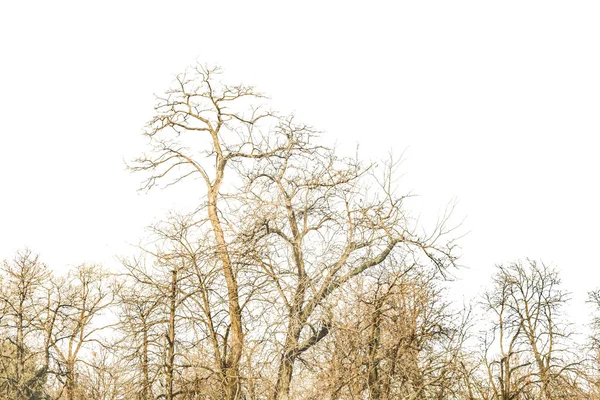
(495, 103)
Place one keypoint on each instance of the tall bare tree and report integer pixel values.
(320, 221)
(220, 120)
(308, 219)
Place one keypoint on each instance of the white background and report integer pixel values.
(494, 104)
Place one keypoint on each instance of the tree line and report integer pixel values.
(300, 274)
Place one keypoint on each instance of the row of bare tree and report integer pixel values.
(298, 275)
(162, 330)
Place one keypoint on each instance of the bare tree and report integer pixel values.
(180, 315)
(307, 219)
(396, 338)
(152, 325)
(326, 220)
(103, 377)
(592, 364)
(530, 353)
(139, 313)
(199, 108)
(85, 296)
(22, 283)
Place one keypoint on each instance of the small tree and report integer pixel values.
(139, 308)
(85, 294)
(23, 278)
(529, 352)
(395, 337)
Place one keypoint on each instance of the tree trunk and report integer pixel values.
(232, 379)
(171, 337)
(288, 357)
(284, 378)
(373, 364)
(20, 367)
(70, 383)
(145, 373)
